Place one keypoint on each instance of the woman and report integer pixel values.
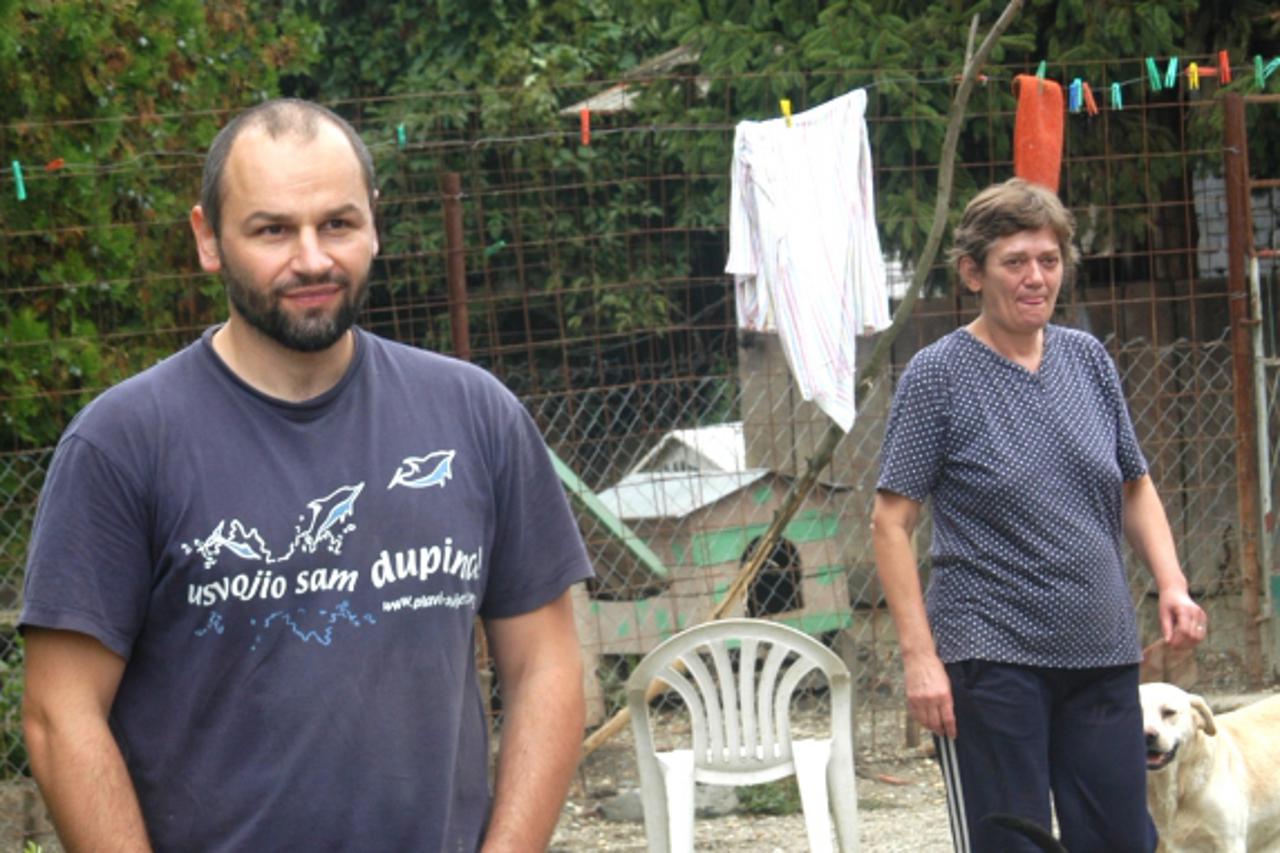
(1026, 657)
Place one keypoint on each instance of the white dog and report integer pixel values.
(1213, 783)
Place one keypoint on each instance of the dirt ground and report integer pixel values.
(901, 802)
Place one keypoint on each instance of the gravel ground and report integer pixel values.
(901, 808)
(901, 802)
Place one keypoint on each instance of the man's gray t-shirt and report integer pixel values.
(1025, 472)
(294, 588)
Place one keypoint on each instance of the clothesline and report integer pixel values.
(1080, 99)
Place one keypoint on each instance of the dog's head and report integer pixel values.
(1170, 719)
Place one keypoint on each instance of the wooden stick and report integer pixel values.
(870, 371)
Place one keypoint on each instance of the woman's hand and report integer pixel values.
(1183, 623)
(929, 694)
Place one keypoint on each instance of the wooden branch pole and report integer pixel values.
(870, 371)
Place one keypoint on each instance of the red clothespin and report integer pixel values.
(584, 118)
(1224, 67)
(55, 165)
(1090, 105)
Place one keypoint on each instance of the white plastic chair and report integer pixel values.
(742, 728)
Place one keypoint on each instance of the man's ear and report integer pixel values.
(206, 241)
(969, 274)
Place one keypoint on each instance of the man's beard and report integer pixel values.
(308, 332)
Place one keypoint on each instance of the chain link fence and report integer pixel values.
(595, 292)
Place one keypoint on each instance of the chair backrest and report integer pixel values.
(740, 715)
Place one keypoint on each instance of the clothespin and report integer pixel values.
(1117, 101)
(1153, 74)
(54, 165)
(1259, 78)
(785, 104)
(18, 186)
(1270, 69)
(494, 248)
(1171, 74)
(1090, 105)
(1074, 96)
(1040, 72)
(584, 121)
(1224, 67)
(401, 137)
(1193, 76)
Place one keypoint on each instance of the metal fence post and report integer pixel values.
(1239, 248)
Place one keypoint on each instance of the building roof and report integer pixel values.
(649, 495)
(720, 447)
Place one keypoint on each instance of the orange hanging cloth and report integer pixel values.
(1037, 131)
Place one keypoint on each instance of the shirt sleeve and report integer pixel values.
(88, 564)
(916, 434)
(537, 550)
(1129, 456)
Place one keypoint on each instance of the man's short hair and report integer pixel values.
(277, 118)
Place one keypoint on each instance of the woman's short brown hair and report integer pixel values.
(1008, 208)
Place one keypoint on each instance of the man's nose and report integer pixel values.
(310, 257)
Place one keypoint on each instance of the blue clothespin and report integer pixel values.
(1153, 74)
(19, 187)
(1117, 100)
(1074, 96)
(1171, 74)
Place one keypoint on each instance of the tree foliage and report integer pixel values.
(108, 105)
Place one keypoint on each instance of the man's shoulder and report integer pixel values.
(440, 370)
(141, 398)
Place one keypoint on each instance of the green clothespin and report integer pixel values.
(494, 248)
(1171, 75)
(1041, 69)
(400, 135)
(1153, 75)
(1117, 101)
(19, 187)
(1261, 72)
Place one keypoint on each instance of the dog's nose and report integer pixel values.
(1151, 739)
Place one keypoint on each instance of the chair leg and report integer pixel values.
(677, 777)
(811, 758)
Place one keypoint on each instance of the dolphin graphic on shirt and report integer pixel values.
(245, 544)
(422, 472)
(334, 508)
(324, 527)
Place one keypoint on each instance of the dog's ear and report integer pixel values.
(1201, 709)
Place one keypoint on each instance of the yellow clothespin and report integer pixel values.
(785, 103)
(1193, 76)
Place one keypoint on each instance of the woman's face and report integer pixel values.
(1019, 281)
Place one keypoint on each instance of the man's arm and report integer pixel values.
(1182, 622)
(71, 681)
(893, 521)
(539, 667)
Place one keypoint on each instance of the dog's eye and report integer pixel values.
(1168, 713)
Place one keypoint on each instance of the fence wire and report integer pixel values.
(595, 291)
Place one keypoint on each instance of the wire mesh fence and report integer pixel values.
(594, 289)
